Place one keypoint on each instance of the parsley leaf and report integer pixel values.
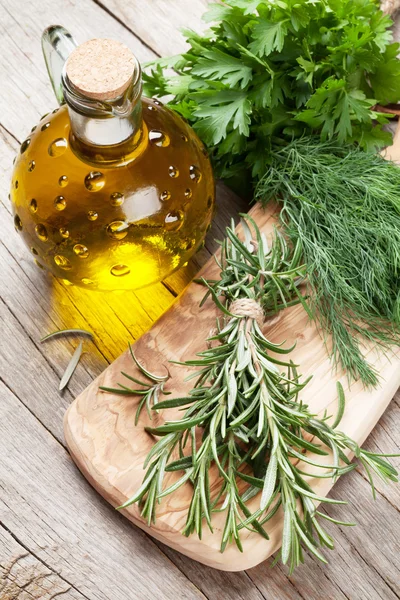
(268, 37)
(248, 6)
(220, 110)
(215, 64)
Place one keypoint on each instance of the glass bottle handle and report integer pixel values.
(57, 45)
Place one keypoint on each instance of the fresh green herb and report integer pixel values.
(150, 391)
(69, 371)
(270, 71)
(274, 89)
(343, 206)
(255, 428)
(66, 332)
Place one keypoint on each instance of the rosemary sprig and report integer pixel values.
(245, 419)
(150, 390)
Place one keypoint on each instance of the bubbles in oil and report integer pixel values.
(165, 195)
(158, 102)
(173, 172)
(63, 231)
(33, 128)
(41, 232)
(25, 145)
(17, 223)
(81, 251)
(195, 173)
(58, 147)
(69, 250)
(118, 230)
(37, 263)
(60, 203)
(174, 220)
(92, 215)
(62, 262)
(158, 138)
(116, 199)
(95, 181)
(120, 270)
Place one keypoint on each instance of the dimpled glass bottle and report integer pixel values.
(111, 190)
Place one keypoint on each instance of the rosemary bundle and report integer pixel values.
(244, 417)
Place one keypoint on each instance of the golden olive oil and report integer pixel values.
(113, 217)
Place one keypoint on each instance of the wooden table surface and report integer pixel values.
(58, 538)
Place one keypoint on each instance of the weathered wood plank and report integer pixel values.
(86, 20)
(58, 518)
(217, 585)
(158, 22)
(26, 92)
(24, 577)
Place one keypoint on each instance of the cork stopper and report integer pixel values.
(101, 69)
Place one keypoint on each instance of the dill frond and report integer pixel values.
(343, 204)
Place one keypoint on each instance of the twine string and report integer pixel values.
(247, 307)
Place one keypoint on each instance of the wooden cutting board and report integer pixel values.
(109, 449)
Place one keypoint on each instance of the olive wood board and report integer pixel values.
(110, 450)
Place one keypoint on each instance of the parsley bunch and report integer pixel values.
(274, 69)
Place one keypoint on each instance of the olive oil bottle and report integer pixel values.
(111, 190)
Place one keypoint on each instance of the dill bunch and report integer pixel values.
(343, 205)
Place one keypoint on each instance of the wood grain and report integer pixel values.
(63, 523)
(160, 27)
(110, 450)
(33, 305)
(23, 576)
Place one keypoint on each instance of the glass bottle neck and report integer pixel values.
(105, 129)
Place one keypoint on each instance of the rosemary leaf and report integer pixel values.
(69, 371)
(66, 332)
